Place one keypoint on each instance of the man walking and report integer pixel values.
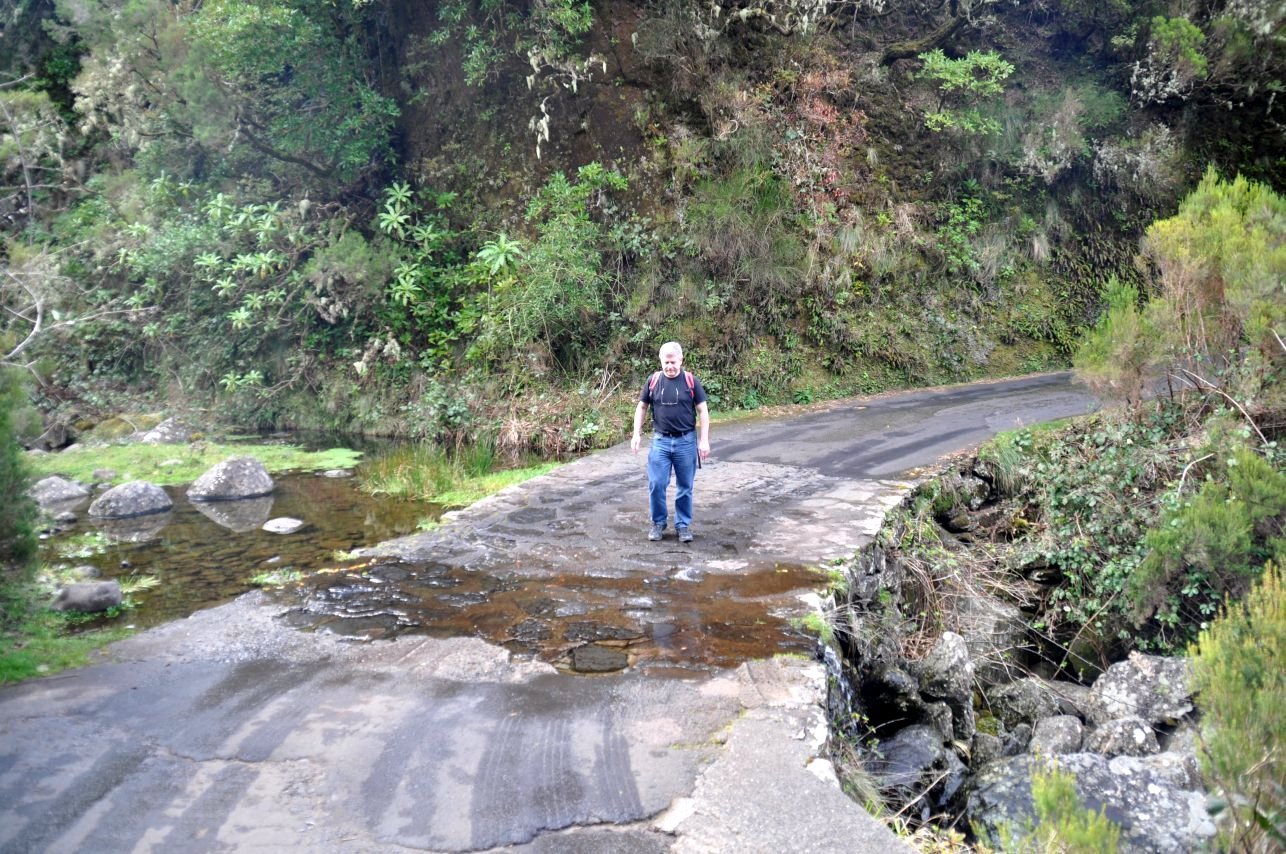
(679, 412)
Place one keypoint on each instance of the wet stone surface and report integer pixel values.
(559, 569)
(713, 621)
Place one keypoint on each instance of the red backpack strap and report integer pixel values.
(687, 376)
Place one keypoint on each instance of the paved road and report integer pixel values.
(231, 731)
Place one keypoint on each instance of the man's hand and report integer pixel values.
(703, 448)
(639, 411)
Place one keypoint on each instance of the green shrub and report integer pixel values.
(551, 309)
(962, 85)
(1063, 822)
(1239, 677)
(1095, 484)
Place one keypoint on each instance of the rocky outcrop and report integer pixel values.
(992, 630)
(56, 490)
(919, 768)
(238, 477)
(89, 597)
(55, 436)
(946, 675)
(1123, 737)
(136, 498)
(1153, 814)
(959, 730)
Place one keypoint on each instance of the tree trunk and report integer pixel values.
(907, 50)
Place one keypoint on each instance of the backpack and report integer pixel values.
(687, 376)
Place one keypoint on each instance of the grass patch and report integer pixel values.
(815, 624)
(426, 472)
(276, 578)
(473, 489)
(41, 645)
(172, 465)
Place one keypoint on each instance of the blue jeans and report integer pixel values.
(677, 453)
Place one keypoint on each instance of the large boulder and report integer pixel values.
(992, 630)
(56, 490)
(1150, 687)
(88, 597)
(136, 498)
(1072, 698)
(967, 489)
(917, 766)
(946, 673)
(169, 431)
(1154, 815)
(56, 436)
(238, 477)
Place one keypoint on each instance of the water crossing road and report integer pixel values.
(231, 730)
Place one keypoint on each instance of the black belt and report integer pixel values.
(675, 435)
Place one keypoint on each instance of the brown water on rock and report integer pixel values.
(599, 620)
(585, 623)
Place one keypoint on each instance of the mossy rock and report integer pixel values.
(109, 430)
(988, 724)
(121, 426)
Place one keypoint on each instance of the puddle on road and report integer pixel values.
(681, 620)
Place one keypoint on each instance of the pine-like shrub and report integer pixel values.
(1114, 356)
(1239, 676)
(1063, 822)
(1213, 544)
(17, 511)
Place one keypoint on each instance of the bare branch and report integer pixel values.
(15, 81)
(37, 323)
(1178, 490)
(1205, 384)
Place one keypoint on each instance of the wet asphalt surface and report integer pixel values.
(267, 724)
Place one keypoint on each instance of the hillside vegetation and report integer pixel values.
(467, 219)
